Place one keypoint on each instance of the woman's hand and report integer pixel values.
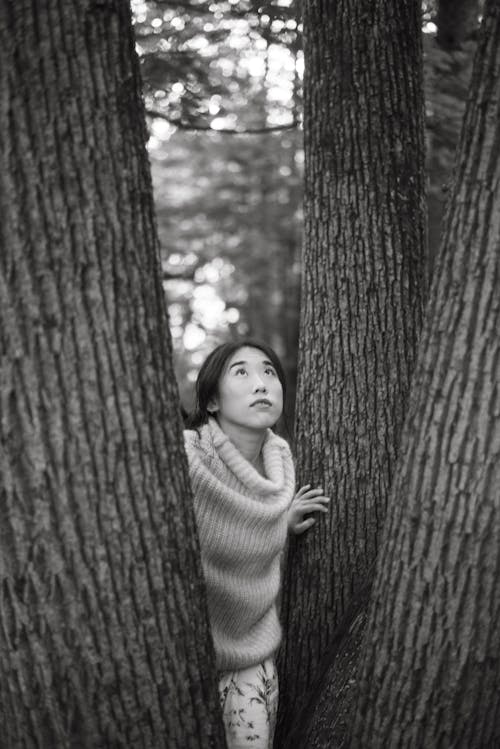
(306, 500)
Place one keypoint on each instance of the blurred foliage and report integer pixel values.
(203, 61)
(223, 94)
(228, 203)
(230, 229)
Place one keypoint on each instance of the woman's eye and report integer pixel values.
(269, 370)
(240, 370)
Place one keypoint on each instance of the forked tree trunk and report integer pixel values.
(431, 672)
(104, 638)
(362, 297)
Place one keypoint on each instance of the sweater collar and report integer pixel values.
(271, 452)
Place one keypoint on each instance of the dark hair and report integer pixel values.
(210, 373)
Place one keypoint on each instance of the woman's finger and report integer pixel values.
(312, 507)
(304, 525)
(313, 493)
(308, 500)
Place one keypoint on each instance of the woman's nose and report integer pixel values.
(259, 385)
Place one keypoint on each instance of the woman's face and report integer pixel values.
(250, 393)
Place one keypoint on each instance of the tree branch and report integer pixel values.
(227, 131)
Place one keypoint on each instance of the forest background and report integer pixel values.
(223, 90)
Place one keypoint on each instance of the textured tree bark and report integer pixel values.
(104, 638)
(362, 298)
(326, 719)
(431, 672)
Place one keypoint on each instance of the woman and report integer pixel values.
(243, 482)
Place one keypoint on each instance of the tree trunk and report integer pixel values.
(431, 672)
(104, 638)
(362, 297)
(325, 721)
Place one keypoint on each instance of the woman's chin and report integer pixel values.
(264, 420)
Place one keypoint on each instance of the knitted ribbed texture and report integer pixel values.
(242, 525)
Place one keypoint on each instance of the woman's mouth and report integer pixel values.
(261, 402)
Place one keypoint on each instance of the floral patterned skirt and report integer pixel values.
(249, 701)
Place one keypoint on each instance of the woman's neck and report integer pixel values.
(248, 441)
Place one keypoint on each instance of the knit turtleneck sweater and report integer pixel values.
(242, 525)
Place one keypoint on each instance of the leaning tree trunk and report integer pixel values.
(103, 630)
(431, 673)
(362, 297)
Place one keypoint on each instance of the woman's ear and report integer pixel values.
(212, 406)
